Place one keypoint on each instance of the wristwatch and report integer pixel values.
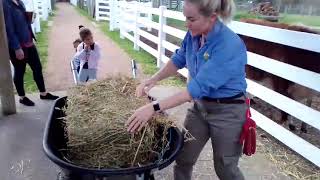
(156, 106)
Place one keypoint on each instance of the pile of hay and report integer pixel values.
(95, 126)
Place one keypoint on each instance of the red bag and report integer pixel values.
(248, 134)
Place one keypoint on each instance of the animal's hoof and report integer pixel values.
(292, 127)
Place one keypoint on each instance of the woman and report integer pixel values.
(215, 57)
(22, 50)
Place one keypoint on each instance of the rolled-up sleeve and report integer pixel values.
(220, 68)
(179, 56)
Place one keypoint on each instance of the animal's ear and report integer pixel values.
(80, 26)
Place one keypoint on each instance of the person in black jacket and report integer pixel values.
(22, 50)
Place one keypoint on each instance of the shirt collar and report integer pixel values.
(211, 37)
(213, 34)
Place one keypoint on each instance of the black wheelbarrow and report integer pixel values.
(54, 139)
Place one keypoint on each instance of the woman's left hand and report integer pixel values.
(140, 118)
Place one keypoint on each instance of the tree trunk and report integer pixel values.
(6, 85)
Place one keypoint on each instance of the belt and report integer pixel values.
(227, 100)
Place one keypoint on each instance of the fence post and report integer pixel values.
(49, 6)
(121, 5)
(36, 23)
(97, 10)
(136, 25)
(285, 9)
(116, 14)
(149, 15)
(44, 5)
(310, 11)
(161, 35)
(113, 15)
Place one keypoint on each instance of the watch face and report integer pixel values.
(156, 106)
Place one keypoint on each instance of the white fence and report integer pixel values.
(301, 76)
(31, 7)
(74, 2)
(103, 9)
(43, 9)
(121, 11)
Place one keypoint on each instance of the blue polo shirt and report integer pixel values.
(217, 69)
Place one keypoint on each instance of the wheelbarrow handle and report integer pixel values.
(134, 68)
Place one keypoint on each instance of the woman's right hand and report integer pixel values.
(19, 54)
(145, 87)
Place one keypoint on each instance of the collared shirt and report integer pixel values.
(217, 69)
(19, 32)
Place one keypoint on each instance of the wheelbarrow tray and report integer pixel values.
(54, 139)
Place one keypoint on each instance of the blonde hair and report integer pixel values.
(224, 8)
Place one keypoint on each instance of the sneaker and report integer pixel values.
(49, 96)
(26, 101)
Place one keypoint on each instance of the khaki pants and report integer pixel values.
(222, 123)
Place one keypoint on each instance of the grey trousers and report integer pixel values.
(222, 123)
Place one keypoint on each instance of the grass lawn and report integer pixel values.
(147, 61)
(306, 20)
(313, 21)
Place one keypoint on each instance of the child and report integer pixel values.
(76, 62)
(88, 53)
(76, 43)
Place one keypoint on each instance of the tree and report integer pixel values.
(6, 86)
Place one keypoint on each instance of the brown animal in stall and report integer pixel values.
(294, 56)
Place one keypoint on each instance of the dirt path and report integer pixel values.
(63, 32)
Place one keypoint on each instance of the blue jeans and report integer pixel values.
(87, 74)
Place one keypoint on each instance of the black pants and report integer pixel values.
(31, 57)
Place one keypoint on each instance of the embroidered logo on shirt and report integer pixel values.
(206, 56)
